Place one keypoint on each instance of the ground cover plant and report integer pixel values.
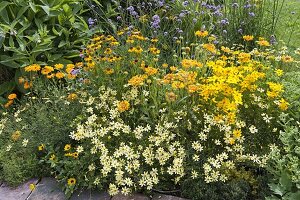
(192, 110)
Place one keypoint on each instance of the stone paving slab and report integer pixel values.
(131, 197)
(47, 189)
(90, 195)
(166, 197)
(19, 193)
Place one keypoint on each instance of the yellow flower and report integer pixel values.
(52, 157)
(248, 37)
(27, 85)
(123, 106)
(59, 66)
(47, 69)
(9, 103)
(287, 59)
(33, 68)
(109, 71)
(137, 80)
(283, 104)
(151, 71)
(171, 96)
(67, 147)
(71, 181)
(21, 80)
(237, 133)
(16, 135)
(12, 96)
(72, 97)
(75, 155)
(201, 33)
(41, 147)
(263, 43)
(59, 75)
(210, 47)
(32, 186)
(279, 72)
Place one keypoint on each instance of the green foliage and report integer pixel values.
(38, 121)
(41, 31)
(285, 162)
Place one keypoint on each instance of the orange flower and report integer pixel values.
(201, 33)
(59, 75)
(123, 106)
(248, 37)
(12, 96)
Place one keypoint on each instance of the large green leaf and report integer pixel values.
(3, 5)
(9, 61)
(7, 87)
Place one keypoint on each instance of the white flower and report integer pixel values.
(24, 142)
(18, 119)
(8, 148)
(79, 149)
(194, 174)
(253, 129)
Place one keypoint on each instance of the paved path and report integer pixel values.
(48, 189)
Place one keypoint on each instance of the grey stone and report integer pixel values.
(166, 197)
(47, 189)
(130, 197)
(19, 193)
(90, 195)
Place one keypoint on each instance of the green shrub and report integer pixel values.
(41, 31)
(37, 122)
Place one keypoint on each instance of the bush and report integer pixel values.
(27, 130)
(41, 32)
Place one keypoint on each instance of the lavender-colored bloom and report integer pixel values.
(91, 21)
(273, 40)
(181, 15)
(160, 3)
(119, 18)
(130, 9)
(166, 33)
(240, 31)
(224, 21)
(74, 72)
(185, 3)
(235, 5)
(251, 14)
(180, 31)
(195, 20)
(155, 22)
(175, 38)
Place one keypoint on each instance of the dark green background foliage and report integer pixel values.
(42, 32)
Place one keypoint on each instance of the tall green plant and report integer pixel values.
(40, 31)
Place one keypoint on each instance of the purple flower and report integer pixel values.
(235, 5)
(185, 3)
(195, 20)
(240, 31)
(74, 72)
(181, 15)
(91, 21)
(251, 14)
(119, 18)
(273, 40)
(155, 22)
(130, 9)
(224, 21)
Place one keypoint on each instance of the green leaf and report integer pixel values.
(9, 61)
(1, 41)
(277, 189)
(4, 16)
(7, 87)
(46, 9)
(22, 11)
(3, 5)
(33, 7)
(286, 181)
